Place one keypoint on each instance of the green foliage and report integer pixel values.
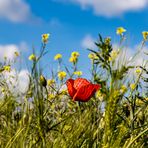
(45, 116)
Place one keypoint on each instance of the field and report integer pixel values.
(109, 110)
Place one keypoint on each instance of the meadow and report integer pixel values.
(49, 114)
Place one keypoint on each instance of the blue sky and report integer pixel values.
(73, 24)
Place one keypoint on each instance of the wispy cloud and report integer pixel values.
(88, 42)
(16, 11)
(9, 50)
(110, 8)
(17, 81)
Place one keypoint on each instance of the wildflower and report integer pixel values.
(120, 30)
(139, 101)
(63, 92)
(116, 93)
(2, 90)
(145, 35)
(73, 59)
(32, 57)
(75, 54)
(138, 71)
(62, 75)
(81, 89)
(16, 53)
(133, 86)
(57, 57)
(50, 82)
(78, 73)
(51, 96)
(113, 55)
(7, 68)
(123, 89)
(99, 95)
(43, 81)
(92, 56)
(45, 37)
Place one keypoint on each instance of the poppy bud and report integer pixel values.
(43, 81)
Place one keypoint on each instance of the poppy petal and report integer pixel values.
(86, 92)
(97, 86)
(71, 89)
(79, 82)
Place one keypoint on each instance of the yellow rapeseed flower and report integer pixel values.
(64, 92)
(145, 35)
(123, 89)
(99, 95)
(7, 68)
(45, 37)
(120, 30)
(50, 82)
(138, 70)
(2, 90)
(32, 57)
(139, 101)
(16, 53)
(61, 75)
(51, 96)
(133, 86)
(78, 73)
(92, 56)
(57, 56)
(73, 59)
(113, 55)
(75, 54)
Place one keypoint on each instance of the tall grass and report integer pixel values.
(45, 116)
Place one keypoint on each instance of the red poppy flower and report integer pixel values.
(81, 89)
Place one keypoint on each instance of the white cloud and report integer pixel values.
(10, 49)
(16, 11)
(110, 8)
(23, 81)
(88, 42)
(18, 82)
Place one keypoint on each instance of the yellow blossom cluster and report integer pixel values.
(92, 56)
(133, 86)
(113, 55)
(51, 96)
(74, 57)
(7, 68)
(57, 56)
(16, 53)
(32, 57)
(145, 35)
(99, 95)
(61, 75)
(50, 82)
(138, 71)
(123, 89)
(78, 73)
(120, 30)
(45, 38)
